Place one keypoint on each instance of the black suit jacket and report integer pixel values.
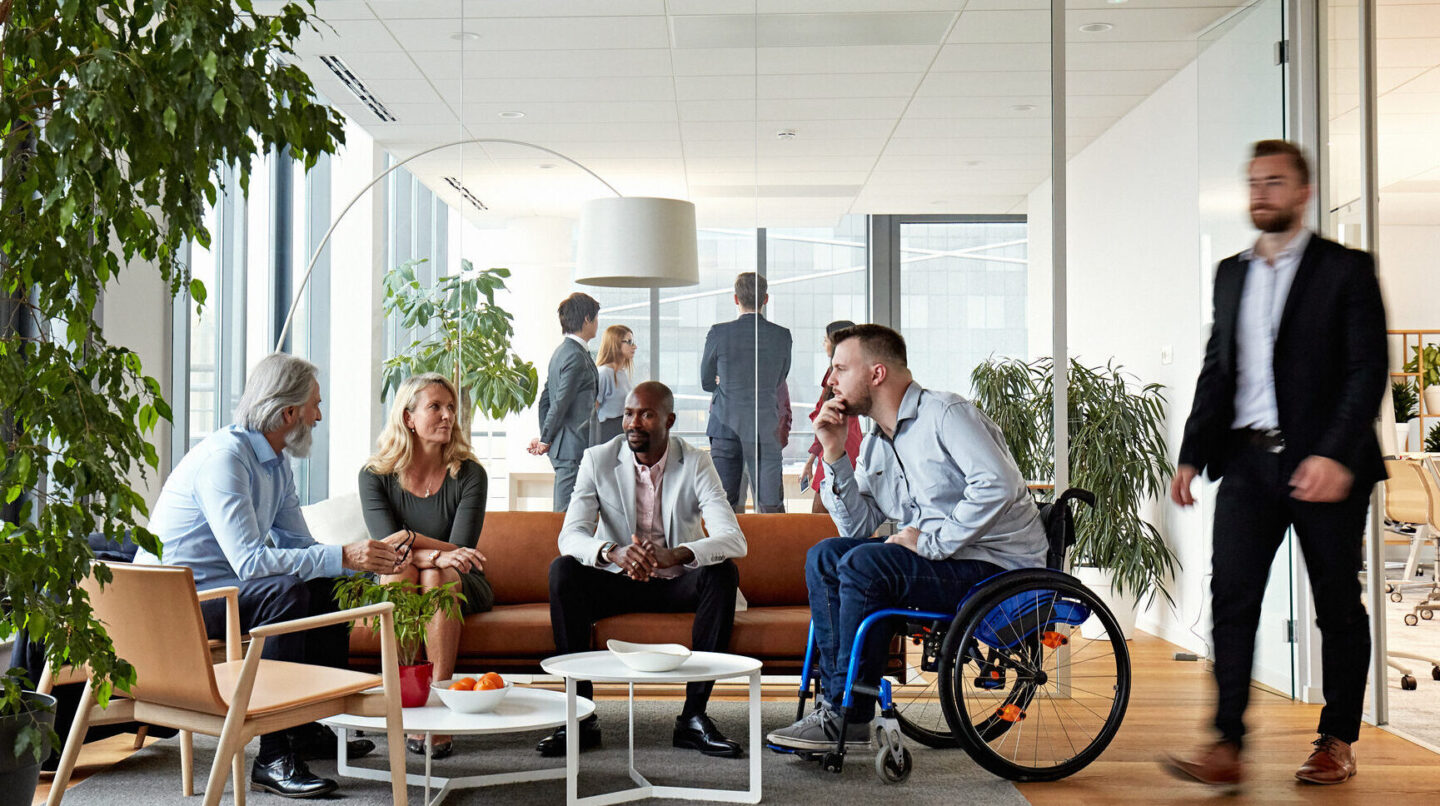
(1330, 365)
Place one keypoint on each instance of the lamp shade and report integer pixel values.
(637, 242)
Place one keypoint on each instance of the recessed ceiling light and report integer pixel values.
(1117, 2)
(971, 163)
(465, 36)
(512, 114)
(1096, 27)
(1023, 108)
(545, 166)
(786, 134)
(938, 202)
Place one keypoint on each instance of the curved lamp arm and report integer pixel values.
(310, 268)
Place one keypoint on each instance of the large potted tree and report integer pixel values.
(114, 115)
(1117, 451)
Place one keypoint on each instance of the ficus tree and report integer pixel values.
(114, 116)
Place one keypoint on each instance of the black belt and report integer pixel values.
(1269, 440)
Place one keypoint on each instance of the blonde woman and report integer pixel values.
(424, 488)
(616, 360)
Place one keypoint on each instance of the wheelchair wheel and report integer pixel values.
(1027, 697)
(917, 698)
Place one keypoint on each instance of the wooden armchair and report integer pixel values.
(152, 614)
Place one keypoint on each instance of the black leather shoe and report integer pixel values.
(553, 746)
(699, 733)
(288, 777)
(315, 741)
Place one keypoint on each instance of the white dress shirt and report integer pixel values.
(1262, 303)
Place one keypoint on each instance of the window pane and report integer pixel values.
(963, 297)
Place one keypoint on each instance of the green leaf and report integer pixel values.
(169, 117)
(209, 65)
(218, 102)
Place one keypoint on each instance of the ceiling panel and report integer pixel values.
(544, 33)
(546, 64)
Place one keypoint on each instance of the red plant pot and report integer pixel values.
(415, 684)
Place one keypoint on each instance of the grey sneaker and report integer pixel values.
(818, 731)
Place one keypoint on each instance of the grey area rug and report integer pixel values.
(152, 775)
(1414, 712)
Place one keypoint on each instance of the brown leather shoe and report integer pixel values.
(1333, 762)
(1217, 765)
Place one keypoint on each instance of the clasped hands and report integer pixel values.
(640, 559)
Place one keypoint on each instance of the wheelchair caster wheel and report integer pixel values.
(1397, 596)
(1435, 672)
(1427, 614)
(1410, 620)
(1407, 683)
(833, 762)
(891, 772)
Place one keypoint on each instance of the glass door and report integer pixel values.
(1241, 99)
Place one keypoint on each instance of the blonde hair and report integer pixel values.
(395, 449)
(612, 352)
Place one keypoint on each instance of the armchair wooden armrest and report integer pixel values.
(231, 594)
(325, 620)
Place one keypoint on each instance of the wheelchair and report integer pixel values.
(1007, 677)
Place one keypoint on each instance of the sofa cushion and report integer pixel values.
(772, 572)
(518, 630)
(518, 549)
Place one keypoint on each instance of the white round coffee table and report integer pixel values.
(523, 709)
(603, 667)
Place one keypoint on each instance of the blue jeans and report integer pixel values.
(849, 578)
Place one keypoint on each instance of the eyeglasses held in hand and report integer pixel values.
(402, 551)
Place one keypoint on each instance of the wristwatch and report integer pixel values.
(605, 550)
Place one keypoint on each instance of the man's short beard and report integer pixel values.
(859, 406)
(641, 447)
(1280, 221)
(298, 439)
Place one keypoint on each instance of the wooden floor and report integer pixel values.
(1169, 710)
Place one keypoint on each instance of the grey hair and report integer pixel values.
(278, 382)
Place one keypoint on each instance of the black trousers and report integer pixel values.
(268, 600)
(1252, 512)
(761, 456)
(581, 595)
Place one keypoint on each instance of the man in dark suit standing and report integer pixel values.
(1294, 373)
(567, 402)
(744, 363)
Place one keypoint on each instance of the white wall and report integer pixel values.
(140, 288)
(1409, 266)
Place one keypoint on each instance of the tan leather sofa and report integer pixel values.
(516, 635)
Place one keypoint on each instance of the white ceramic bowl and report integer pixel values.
(649, 657)
(470, 702)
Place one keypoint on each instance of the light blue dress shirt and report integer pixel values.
(229, 511)
(948, 473)
(1262, 303)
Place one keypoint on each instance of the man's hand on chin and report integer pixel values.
(909, 537)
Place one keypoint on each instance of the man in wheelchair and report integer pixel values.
(939, 468)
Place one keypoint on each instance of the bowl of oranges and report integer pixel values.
(472, 695)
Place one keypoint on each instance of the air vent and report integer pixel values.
(465, 192)
(357, 87)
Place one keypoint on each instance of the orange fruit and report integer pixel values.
(490, 681)
(463, 684)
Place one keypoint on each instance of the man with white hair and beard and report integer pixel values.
(229, 512)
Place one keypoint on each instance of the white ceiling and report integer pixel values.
(899, 106)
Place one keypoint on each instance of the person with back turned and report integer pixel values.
(1294, 373)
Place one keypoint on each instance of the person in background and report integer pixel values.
(852, 433)
(567, 402)
(616, 360)
(424, 490)
(744, 366)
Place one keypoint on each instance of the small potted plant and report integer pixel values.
(1405, 402)
(1432, 440)
(1429, 378)
(414, 610)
